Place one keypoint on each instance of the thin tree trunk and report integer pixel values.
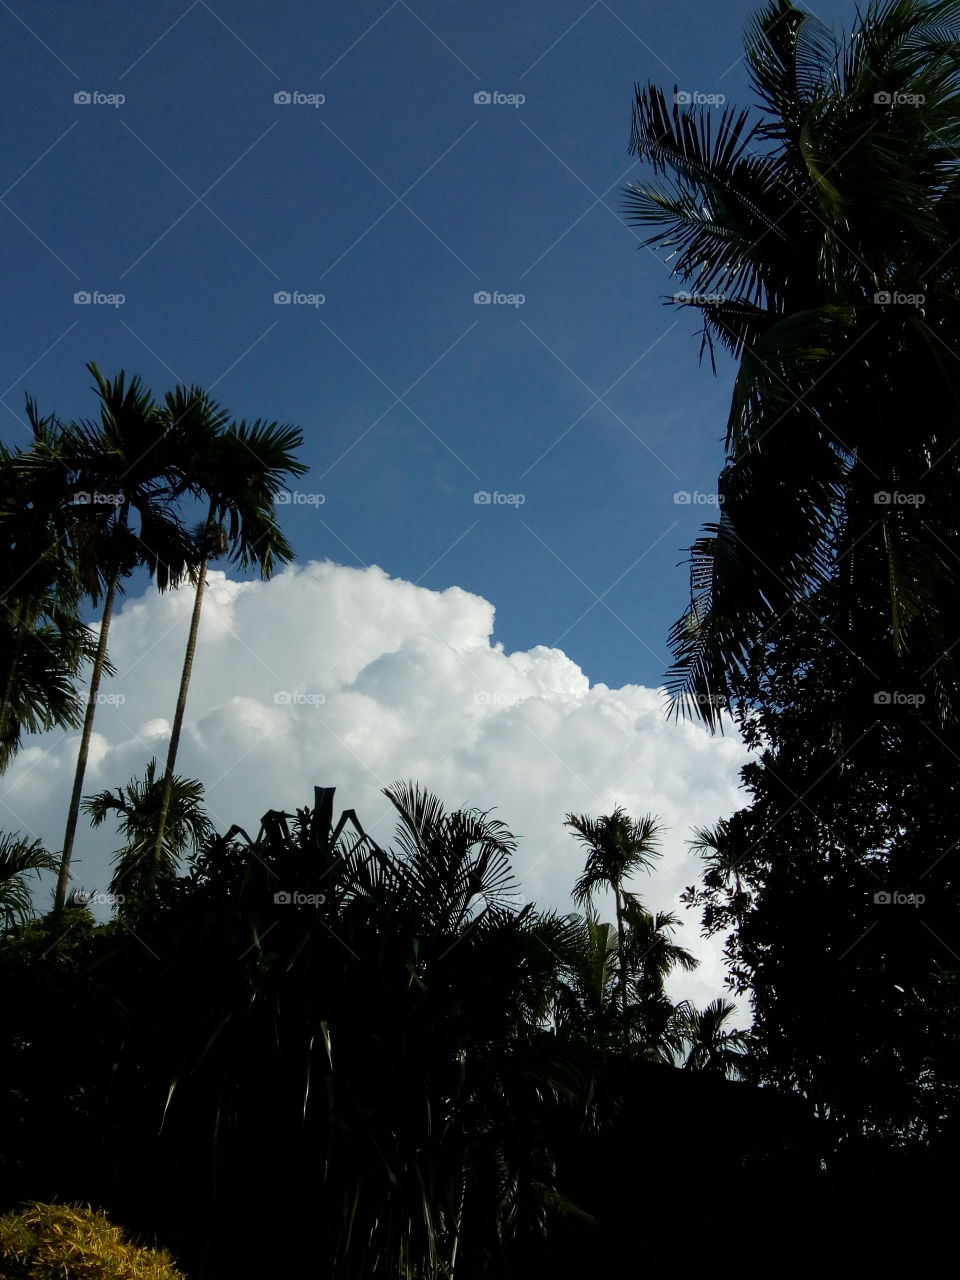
(74, 811)
(623, 972)
(185, 676)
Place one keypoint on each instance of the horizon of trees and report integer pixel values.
(397, 998)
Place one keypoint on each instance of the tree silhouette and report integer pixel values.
(618, 848)
(821, 247)
(138, 808)
(18, 857)
(239, 469)
(129, 459)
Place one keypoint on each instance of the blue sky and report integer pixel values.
(198, 198)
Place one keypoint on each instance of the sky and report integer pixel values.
(399, 227)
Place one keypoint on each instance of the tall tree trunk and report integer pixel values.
(623, 971)
(185, 675)
(74, 811)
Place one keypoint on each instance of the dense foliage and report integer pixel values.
(820, 244)
(388, 1032)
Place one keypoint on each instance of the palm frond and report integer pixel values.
(18, 857)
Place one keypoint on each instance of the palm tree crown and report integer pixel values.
(713, 1045)
(137, 808)
(618, 848)
(821, 245)
(43, 643)
(18, 857)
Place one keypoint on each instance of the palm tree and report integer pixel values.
(725, 866)
(658, 1026)
(240, 469)
(649, 949)
(456, 866)
(137, 808)
(586, 998)
(713, 845)
(656, 1023)
(396, 1023)
(43, 643)
(42, 660)
(130, 459)
(618, 849)
(821, 248)
(586, 993)
(713, 1046)
(18, 857)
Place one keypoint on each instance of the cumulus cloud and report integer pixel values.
(335, 676)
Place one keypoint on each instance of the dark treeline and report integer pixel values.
(312, 1055)
(307, 1054)
(372, 1053)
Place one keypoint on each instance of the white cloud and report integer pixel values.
(343, 677)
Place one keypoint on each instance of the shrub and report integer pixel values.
(69, 1242)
